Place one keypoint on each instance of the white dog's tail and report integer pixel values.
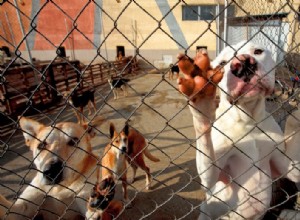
(150, 156)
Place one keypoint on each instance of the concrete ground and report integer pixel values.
(157, 110)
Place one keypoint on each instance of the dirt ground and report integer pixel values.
(157, 110)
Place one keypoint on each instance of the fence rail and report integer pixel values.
(44, 83)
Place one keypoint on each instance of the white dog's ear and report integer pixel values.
(30, 129)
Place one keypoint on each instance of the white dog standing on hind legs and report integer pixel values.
(240, 147)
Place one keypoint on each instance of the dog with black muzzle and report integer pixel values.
(101, 202)
(65, 164)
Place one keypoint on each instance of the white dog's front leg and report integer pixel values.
(203, 115)
(26, 207)
(205, 159)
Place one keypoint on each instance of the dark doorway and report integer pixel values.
(122, 49)
(6, 50)
(61, 51)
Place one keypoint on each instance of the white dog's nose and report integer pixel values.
(243, 66)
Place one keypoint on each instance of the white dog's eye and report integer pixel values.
(73, 141)
(258, 51)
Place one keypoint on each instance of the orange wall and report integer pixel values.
(51, 22)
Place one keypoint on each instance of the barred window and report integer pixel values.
(198, 12)
(205, 12)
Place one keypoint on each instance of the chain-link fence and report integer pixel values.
(58, 57)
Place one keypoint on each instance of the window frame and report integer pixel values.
(187, 7)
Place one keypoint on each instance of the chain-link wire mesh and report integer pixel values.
(58, 57)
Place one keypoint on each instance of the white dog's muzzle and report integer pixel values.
(248, 71)
(243, 66)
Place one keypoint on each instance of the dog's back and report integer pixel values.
(137, 144)
(175, 69)
(118, 82)
(81, 99)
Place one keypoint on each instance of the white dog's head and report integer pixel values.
(248, 71)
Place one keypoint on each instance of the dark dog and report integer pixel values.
(117, 84)
(174, 70)
(101, 204)
(80, 99)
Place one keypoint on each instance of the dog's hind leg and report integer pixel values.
(78, 116)
(134, 168)
(292, 150)
(91, 104)
(115, 93)
(94, 106)
(170, 74)
(90, 108)
(124, 88)
(141, 163)
(125, 192)
(229, 199)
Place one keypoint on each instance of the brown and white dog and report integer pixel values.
(79, 100)
(65, 164)
(101, 204)
(245, 149)
(128, 145)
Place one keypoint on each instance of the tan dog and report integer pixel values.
(128, 145)
(65, 163)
